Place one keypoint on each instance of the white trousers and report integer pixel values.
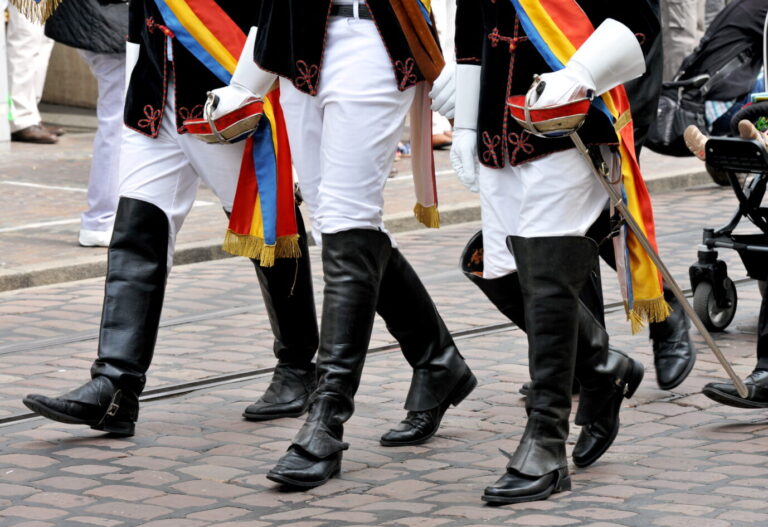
(556, 195)
(343, 140)
(167, 170)
(28, 53)
(444, 12)
(109, 70)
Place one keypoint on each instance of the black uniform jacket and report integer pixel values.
(488, 33)
(291, 41)
(148, 86)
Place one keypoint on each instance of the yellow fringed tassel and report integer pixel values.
(654, 310)
(254, 247)
(36, 11)
(428, 216)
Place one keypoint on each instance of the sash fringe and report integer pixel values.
(36, 11)
(254, 247)
(654, 310)
(429, 216)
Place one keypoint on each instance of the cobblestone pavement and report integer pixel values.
(679, 459)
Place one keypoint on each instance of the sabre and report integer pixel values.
(618, 202)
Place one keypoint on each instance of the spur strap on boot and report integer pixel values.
(97, 404)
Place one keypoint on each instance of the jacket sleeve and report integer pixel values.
(469, 32)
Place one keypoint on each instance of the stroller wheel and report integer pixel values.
(714, 317)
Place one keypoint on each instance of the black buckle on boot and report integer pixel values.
(114, 406)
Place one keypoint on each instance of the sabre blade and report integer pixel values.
(653, 255)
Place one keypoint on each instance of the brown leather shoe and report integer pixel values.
(58, 131)
(34, 134)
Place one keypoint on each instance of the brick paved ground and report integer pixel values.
(679, 459)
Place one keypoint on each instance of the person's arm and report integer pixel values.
(469, 45)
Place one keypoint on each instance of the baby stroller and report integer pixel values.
(714, 293)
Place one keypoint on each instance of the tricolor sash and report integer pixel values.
(557, 28)
(263, 220)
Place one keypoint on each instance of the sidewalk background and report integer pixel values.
(42, 193)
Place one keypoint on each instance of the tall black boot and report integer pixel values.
(552, 272)
(353, 266)
(133, 298)
(289, 299)
(673, 352)
(441, 377)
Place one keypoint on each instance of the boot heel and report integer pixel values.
(118, 428)
(564, 484)
(461, 392)
(634, 377)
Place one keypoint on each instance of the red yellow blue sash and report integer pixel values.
(557, 28)
(263, 221)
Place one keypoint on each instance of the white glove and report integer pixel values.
(443, 93)
(248, 82)
(560, 87)
(131, 58)
(464, 148)
(464, 157)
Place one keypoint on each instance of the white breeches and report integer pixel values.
(167, 170)
(343, 140)
(109, 70)
(28, 53)
(556, 195)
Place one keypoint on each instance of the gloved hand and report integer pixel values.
(464, 157)
(566, 85)
(443, 93)
(249, 83)
(464, 148)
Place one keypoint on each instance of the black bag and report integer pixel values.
(682, 104)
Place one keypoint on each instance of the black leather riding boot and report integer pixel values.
(552, 272)
(673, 352)
(441, 377)
(353, 266)
(133, 298)
(288, 297)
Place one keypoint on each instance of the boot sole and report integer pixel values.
(560, 486)
(262, 417)
(121, 428)
(680, 378)
(731, 400)
(290, 482)
(456, 397)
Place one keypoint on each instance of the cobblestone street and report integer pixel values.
(679, 460)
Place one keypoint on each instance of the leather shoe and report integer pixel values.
(673, 351)
(35, 134)
(287, 394)
(299, 468)
(419, 427)
(514, 487)
(596, 437)
(97, 404)
(725, 392)
(58, 131)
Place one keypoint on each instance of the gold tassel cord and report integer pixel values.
(36, 11)
(428, 216)
(254, 247)
(654, 310)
